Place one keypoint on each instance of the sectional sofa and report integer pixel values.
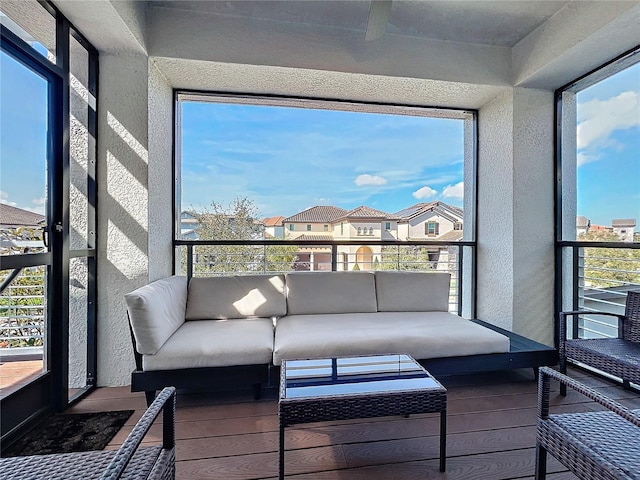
(238, 329)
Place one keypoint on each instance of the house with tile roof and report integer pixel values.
(434, 220)
(19, 228)
(624, 228)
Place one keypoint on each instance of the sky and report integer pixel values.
(290, 159)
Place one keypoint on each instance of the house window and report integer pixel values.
(387, 226)
(370, 230)
(341, 228)
(457, 225)
(326, 228)
(359, 231)
(291, 227)
(432, 229)
(308, 228)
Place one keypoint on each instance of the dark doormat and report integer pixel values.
(65, 433)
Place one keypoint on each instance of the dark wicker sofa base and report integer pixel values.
(524, 353)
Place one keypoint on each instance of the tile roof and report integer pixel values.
(451, 236)
(317, 214)
(420, 208)
(367, 212)
(13, 216)
(320, 237)
(273, 221)
(624, 222)
(582, 221)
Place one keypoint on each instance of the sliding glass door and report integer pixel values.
(48, 91)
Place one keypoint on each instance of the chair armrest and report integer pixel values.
(563, 321)
(547, 373)
(165, 402)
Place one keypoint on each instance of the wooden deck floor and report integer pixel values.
(491, 434)
(14, 375)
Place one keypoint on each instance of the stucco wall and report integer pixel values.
(123, 215)
(533, 207)
(495, 212)
(161, 182)
(515, 213)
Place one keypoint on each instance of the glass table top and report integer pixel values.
(354, 375)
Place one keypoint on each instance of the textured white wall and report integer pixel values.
(161, 182)
(533, 214)
(123, 262)
(515, 213)
(495, 212)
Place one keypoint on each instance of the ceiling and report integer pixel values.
(451, 53)
(499, 23)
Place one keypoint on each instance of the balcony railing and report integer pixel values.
(22, 314)
(600, 275)
(233, 257)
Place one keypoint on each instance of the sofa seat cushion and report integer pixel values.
(238, 296)
(215, 343)
(422, 335)
(311, 293)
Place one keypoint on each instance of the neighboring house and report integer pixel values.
(624, 228)
(273, 227)
(20, 228)
(429, 221)
(582, 225)
(188, 226)
(433, 221)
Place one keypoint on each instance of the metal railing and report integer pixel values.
(601, 274)
(22, 313)
(233, 257)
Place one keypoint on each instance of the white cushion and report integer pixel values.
(156, 311)
(215, 343)
(412, 291)
(422, 335)
(311, 293)
(241, 296)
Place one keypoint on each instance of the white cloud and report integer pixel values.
(598, 119)
(367, 179)
(454, 191)
(583, 158)
(424, 192)
(4, 198)
(39, 201)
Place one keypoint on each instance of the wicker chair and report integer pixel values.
(594, 445)
(128, 462)
(619, 357)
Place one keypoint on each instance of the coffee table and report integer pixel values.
(358, 387)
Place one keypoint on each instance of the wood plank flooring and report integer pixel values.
(14, 375)
(491, 434)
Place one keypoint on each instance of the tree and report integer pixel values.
(237, 221)
(609, 267)
(405, 257)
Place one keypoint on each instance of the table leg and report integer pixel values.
(443, 440)
(281, 452)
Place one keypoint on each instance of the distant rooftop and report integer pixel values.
(318, 214)
(623, 222)
(582, 221)
(367, 212)
(420, 208)
(11, 217)
(273, 221)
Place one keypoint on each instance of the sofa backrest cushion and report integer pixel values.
(311, 293)
(412, 291)
(156, 311)
(239, 296)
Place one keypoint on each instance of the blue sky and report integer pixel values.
(608, 141)
(289, 159)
